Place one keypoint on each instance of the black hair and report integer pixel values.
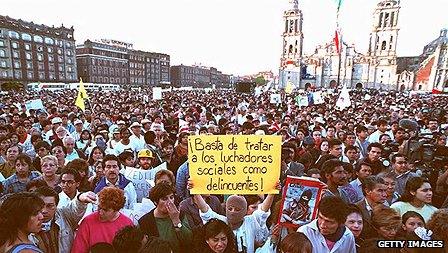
(71, 171)
(159, 191)
(15, 213)
(411, 214)
(329, 167)
(128, 239)
(369, 183)
(102, 247)
(111, 158)
(46, 191)
(156, 245)
(412, 185)
(375, 145)
(333, 207)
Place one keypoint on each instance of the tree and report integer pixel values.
(259, 81)
(11, 85)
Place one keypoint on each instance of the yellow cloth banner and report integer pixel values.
(234, 164)
(82, 95)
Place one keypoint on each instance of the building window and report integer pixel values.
(50, 50)
(28, 56)
(40, 66)
(29, 75)
(68, 45)
(60, 68)
(69, 69)
(60, 43)
(41, 75)
(14, 35)
(60, 59)
(29, 65)
(69, 60)
(49, 41)
(59, 51)
(4, 73)
(17, 74)
(50, 58)
(38, 39)
(15, 45)
(2, 43)
(27, 47)
(40, 57)
(51, 76)
(15, 54)
(51, 67)
(3, 63)
(26, 36)
(2, 53)
(69, 52)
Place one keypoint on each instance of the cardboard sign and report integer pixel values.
(234, 164)
(142, 179)
(300, 200)
(35, 104)
(275, 99)
(157, 93)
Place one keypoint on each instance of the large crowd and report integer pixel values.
(63, 189)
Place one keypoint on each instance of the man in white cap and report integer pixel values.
(146, 123)
(51, 135)
(78, 129)
(136, 138)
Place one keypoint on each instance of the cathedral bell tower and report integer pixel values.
(383, 42)
(292, 45)
(383, 38)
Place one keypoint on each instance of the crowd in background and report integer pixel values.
(63, 185)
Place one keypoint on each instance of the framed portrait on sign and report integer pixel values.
(300, 201)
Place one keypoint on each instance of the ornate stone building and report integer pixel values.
(429, 71)
(375, 69)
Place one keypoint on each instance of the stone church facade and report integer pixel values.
(376, 68)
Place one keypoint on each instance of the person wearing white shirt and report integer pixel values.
(124, 144)
(137, 138)
(70, 180)
(245, 227)
(328, 233)
(382, 129)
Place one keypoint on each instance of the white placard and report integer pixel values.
(143, 179)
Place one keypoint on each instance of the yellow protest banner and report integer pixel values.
(234, 164)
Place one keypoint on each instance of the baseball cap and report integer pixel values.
(145, 121)
(136, 124)
(77, 122)
(145, 153)
(56, 120)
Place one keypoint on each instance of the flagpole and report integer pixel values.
(340, 42)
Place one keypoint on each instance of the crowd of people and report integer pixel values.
(63, 187)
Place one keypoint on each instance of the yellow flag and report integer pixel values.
(82, 95)
(289, 88)
(80, 102)
(82, 90)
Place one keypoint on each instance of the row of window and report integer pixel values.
(39, 39)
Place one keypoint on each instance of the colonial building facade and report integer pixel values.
(374, 69)
(116, 62)
(36, 53)
(198, 77)
(429, 71)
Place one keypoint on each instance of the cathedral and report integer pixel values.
(377, 68)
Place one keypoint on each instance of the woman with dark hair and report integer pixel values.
(215, 237)
(354, 222)
(95, 155)
(417, 197)
(20, 215)
(17, 182)
(410, 221)
(99, 173)
(165, 220)
(85, 140)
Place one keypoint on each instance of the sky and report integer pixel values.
(236, 36)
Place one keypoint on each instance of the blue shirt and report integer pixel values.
(13, 185)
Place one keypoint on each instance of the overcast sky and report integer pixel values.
(236, 36)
